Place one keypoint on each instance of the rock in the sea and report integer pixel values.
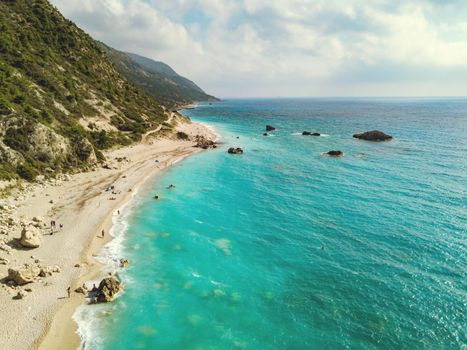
(107, 289)
(235, 150)
(270, 128)
(335, 153)
(374, 135)
(31, 237)
(309, 133)
(124, 262)
(23, 274)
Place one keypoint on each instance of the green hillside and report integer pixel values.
(61, 99)
(157, 79)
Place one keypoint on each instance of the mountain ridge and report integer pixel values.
(157, 79)
(62, 99)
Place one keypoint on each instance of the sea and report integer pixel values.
(282, 247)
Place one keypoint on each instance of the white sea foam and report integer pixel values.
(88, 317)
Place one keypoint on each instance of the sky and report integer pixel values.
(292, 48)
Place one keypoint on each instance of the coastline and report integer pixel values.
(85, 209)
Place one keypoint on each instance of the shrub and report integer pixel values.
(26, 171)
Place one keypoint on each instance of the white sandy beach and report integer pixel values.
(43, 319)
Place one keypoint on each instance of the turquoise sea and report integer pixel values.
(283, 248)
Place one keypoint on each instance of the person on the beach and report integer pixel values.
(61, 226)
(103, 233)
(118, 212)
(68, 290)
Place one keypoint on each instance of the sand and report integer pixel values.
(43, 320)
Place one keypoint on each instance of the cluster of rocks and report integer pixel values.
(309, 133)
(29, 273)
(235, 150)
(204, 143)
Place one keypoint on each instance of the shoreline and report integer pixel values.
(64, 333)
(87, 211)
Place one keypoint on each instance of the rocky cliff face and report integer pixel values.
(61, 99)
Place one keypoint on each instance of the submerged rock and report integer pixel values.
(107, 289)
(270, 128)
(335, 153)
(31, 237)
(235, 150)
(23, 274)
(374, 135)
(309, 133)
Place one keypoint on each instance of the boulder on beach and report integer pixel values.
(374, 135)
(235, 150)
(270, 128)
(309, 133)
(31, 237)
(204, 143)
(335, 153)
(21, 295)
(81, 290)
(107, 289)
(23, 274)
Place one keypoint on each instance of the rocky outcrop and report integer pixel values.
(31, 237)
(23, 274)
(270, 128)
(309, 133)
(204, 143)
(374, 135)
(107, 289)
(335, 153)
(235, 150)
(85, 151)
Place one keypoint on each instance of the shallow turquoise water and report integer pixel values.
(233, 257)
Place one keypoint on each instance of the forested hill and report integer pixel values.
(61, 98)
(157, 79)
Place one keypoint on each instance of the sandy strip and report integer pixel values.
(43, 320)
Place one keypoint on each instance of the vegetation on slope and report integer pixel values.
(157, 79)
(61, 99)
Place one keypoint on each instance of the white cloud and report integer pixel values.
(291, 47)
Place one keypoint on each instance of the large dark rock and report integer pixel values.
(309, 133)
(107, 289)
(374, 135)
(335, 153)
(270, 128)
(235, 150)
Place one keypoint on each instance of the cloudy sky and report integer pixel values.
(271, 48)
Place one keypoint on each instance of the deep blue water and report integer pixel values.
(283, 248)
